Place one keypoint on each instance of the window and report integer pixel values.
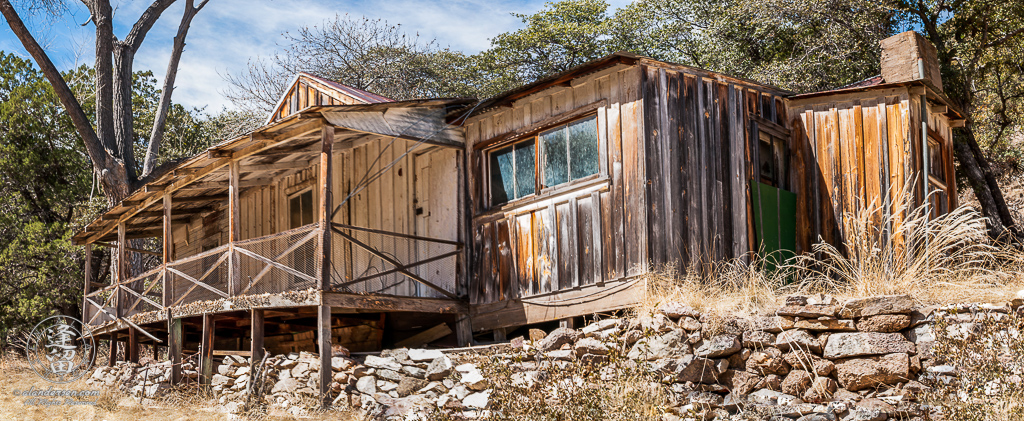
(771, 160)
(513, 172)
(935, 162)
(300, 209)
(566, 153)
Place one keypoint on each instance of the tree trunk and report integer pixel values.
(983, 182)
(124, 136)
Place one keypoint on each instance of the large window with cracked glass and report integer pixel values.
(556, 156)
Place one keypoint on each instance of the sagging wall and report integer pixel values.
(397, 200)
(587, 232)
(701, 137)
(863, 149)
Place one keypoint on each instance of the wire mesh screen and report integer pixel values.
(369, 262)
(286, 261)
(142, 294)
(199, 278)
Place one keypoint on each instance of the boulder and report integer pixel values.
(741, 382)
(705, 400)
(882, 304)
(810, 362)
(796, 382)
(557, 338)
(807, 311)
(821, 390)
(826, 324)
(676, 310)
(772, 324)
(477, 400)
(689, 324)
(719, 346)
(767, 361)
(863, 373)
(797, 339)
(381, 362)
(846, 345)
(664, 346)
(409, 385)
(770, 382)
(537, 335)
(770, 397)
(592, 329)
(288, 385)
(823, 416)
(758, 339)
(439, 368)
(695, 369)
(367, 385)
(887, 323)
(474, 380)
(590, 346)
(424, 355)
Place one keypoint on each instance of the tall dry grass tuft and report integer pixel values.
(944, 259)
(938, 260)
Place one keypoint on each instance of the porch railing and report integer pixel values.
(362, 260)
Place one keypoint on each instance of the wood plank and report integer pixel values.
(425, 337)
(256, 335)
(585, 240)
(598, 253)
(503, 244)
(613, 229)
(524, 254)
(570, 303)
(635, 198)
(175, 339)
(737, 171)
(324, 338)
(206, 350)
(574, 240)
(657, 162)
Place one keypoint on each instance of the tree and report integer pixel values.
(368, 54)
(979, 45)
(110, 144)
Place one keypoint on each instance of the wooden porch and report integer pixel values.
(333, 210)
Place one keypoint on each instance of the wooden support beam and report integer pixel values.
(122, 267)
(381, 303)
(324, 338)
(134, 250)
(234, 269)
(256, 345)
(195, 199)
(326, 154)
(206, 351)
(175, 339)
(112, 352)
(155, 187)
(499, 335)
(218, 153)
(206, 185)
(464, 330)
(275, 166)
(133, 346)
(88, 280)
(568, 322)
(180, 172)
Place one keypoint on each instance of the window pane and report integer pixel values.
(935, 161)
(294, 213)
(307, 207)
(583, 148)
(556, 165)
(525, 169)
(502, 176)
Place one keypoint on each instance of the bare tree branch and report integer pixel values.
(163, 108)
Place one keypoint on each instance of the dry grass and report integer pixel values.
(182, 404)
(948, 259)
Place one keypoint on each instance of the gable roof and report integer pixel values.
(308, 90)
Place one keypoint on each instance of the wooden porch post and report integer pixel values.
(88, 283)
(326, 371)
(174, 342)
(464, 330)
(133, 345)
(122, 268)
(206, 351)
(234, 272)
(256, 345)
(168, 254)
(326, 202)
(112, 353)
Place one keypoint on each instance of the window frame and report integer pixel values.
(312, 208)
(780, 164)
(539, 155)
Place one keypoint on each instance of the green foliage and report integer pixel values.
(46, 185)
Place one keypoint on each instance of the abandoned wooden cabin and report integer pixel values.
(355, 220)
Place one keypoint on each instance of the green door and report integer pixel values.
(774, 222)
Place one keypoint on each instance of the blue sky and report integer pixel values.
(227, 33)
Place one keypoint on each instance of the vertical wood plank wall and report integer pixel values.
(701, 155)
(547, 244)
(676, 169)
(387, 203)
(863, 148)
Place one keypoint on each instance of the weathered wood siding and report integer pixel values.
(701, 144)
(863, 149)
(389, 202)
(581, 234)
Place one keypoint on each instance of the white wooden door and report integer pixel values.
(434, 209)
